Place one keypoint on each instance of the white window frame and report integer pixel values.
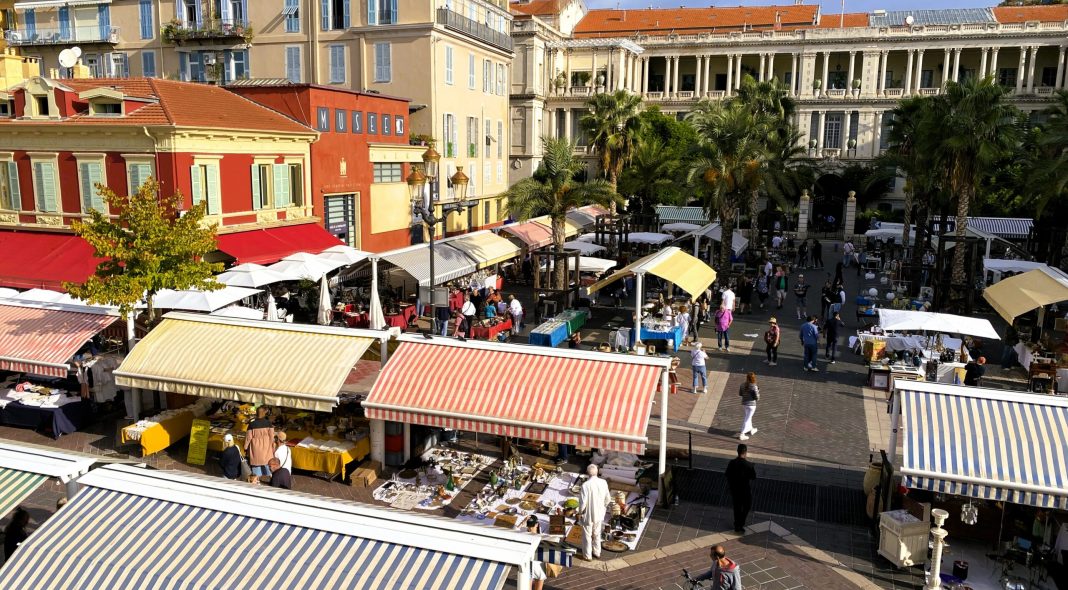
(448, 65)
(99, 160)
(332, 52)
(138, 160)
(387, 77)
(295, 164)
(500, 139)
(487, 76)
(500, 79)
(300, 63)
(53, 160)
(7, 197)
(472, 71)
(211, 169)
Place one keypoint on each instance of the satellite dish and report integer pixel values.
(909, 20)
(67, 58)
(77, 51)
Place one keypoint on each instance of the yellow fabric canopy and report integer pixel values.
(300, 367)
(670, 264)
(571, 228)
(486, 247)
(1020, 294)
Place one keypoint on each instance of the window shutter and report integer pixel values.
(14, 194)
(345, 15)
(292, 18)
(195, 178)
(256, 197)
(281, 185)
(337, 64)
(46, 186)
(324, 7)
(224, 10)
(64, 23)
(30, 18)
(148, 64)
(103, 15)
(392, 11)
(372, 12)
(96, 176)
(214, 196)
(145, 7)
(183, 66)
(86, 186)
(293, 64)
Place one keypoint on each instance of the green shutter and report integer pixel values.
(214, 197)
(197, 187)
(281, 185)
(139, 173)
(86, 186)
(45, 187)
(96, 176)
(14, 193)
(256, 187)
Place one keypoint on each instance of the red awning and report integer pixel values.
(42, 341)
(44, 260)
(264, 246)
(533, 234)
(532, 394)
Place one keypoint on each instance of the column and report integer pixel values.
(593, 78)
(632, 74)
(675, 75)
(804, 211)
(610, 71)
(1031, 70)
(567, 125)
(851, 71)
(698, 79)
(850, 213)
(667, 76)
(1060, 69)
(621, 74)
(876, 133)
(919, 69)
(847, 123)
(825, 79)
(884, 56)
(708, 73)
(947, 66)
(554, 126)
(567, 70)
(378, 441)
(771, 66)
(1020, 70)
(760, 72)
(820, 130)
(738, 72)
(994, 63)
(645, 75)
(956, 64)
(908, 73)
(794, 77)
(730, 74)
(982, 62)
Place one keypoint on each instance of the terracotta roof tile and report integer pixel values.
(834, 21)
(606, 23)
(536, 7)
(1022, 14)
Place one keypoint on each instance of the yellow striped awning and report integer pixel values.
(272, 363)
(15, 485)
(670, 264)
(571, 228)
(486, 247)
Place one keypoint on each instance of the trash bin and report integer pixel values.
(960, 569)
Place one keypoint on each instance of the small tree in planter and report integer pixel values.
(581, 78)
(856, 87)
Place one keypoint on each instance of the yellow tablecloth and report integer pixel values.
(164, 434)
(305, 458)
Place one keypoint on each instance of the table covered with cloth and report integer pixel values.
(402, 319)
(574, 318)
(660, 331)
(490, 332)
(163, 434)
(306, 458)
(58, 420)
(551, 333)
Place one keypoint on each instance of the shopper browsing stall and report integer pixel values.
(594, 500)
(259, 442)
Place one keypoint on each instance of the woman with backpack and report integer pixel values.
(762, 284)
(771, 339)
(750, 393)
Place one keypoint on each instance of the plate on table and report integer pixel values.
(613, 546)
(513, 501)
(531, 497)
(502, 508)
(528, 506)
(407, 474)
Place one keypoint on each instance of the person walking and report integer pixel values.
(771, 339)
(810, 341)
(802, 254)
(827, 297)
(817, 254)
(724, 573)
(594, 499)
(830, 330)
(682, 320)
(848, 251)
(782, 282)
(801, 293)
(259, 442)
(762, 288)
(469, 311)
(745, 295)
(515, 308)
(750, 394)
(727, 297)
(697, 364)
(15, 532)
(740, 475)
(724, 319)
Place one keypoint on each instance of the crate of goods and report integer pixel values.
(903, 538)
(366, 474)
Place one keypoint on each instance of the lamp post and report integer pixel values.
(417, 181)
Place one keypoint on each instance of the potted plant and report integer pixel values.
(851, 144)
(450, 150)
(582, 78)
(174, 32)
(856, 87)
(560, 81)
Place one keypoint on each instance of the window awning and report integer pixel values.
(1020, 294)
(271, 363)
(1017, 228)
(264, 246)
(571, 228)
(131, 526)
(983, 443)
(534, 235)
(486, 247)
(450, 263)
(42, 338)
(588, 399)
(670, 264)
(45, 260)
(43, 461)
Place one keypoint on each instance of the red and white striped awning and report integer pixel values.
(42, 339)
(590, 399)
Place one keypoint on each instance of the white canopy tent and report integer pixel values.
(197, 300)
(714, 232)
(254, 275)
(642, 237)
(584, 248)
(589, 264)
(902, 320)
(239, 311)
(680, 226)
(346, 255)
(5, 292)
(305, 266)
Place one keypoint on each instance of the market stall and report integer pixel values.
(485, 247)
(491, 328)
(557, 329)
(157, 433)
(24, 468)
(714, 232)
(529, 234)
(571, 227)
(198, 300)
(584, 248)
(995, 268)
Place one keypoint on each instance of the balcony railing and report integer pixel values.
(62, 36)
(580, 90)
(460, 23)
(214, 29)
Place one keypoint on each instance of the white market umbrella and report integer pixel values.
(272, 308)
(647, 237)
(376, 318)
(305, 266)
(46, 296)
(590, 264)
(253, 275)
(239, 311)
(584, 248)
(346, 255)
(5, 292)
(680, 226)
(197, 300)
(326, 311)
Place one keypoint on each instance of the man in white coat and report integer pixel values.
(594, 500)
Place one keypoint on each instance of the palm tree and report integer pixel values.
(1049, 166)
(652, 173)
(972, 127)
(554, 191)
(909, 121)
(613, 124)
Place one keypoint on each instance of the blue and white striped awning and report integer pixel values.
(1013, 228)
(672, 214)
(237, 538)
(983, 443)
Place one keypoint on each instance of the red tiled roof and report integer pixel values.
(1022, 14)
(606, 23)
(536, 7)
(182, 104)
(834, 21)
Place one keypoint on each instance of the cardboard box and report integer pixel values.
(366, 474)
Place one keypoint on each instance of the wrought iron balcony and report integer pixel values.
(460, 23)
(73, 35)
(216, 29)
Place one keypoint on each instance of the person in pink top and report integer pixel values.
(724, 319)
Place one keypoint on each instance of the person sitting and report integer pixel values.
(575, 340)
(974, 371)
(280, 476)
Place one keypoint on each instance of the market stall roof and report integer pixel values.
(670, 264)
(644, 237)
(714, 231)
(1006, 227)
(583, 398)
(680, 226)
(585, 248)
(130, 525)
(594, 210)
(1020, 294)
(45, 259)
(902, 320)
(450, 262)
(486, 247)
(999, 265)
(239, 311)
(571, 228)
(671, 213)
(253, 275)
(581, 218)
(534, 235)
(306, 266)
(23, 468)
(346, 255)
(41, 338)
(591, 264)
(984, 443)
(271, 363)
(267, 245)
(197, 300)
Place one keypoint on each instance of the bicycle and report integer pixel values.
(694, 583)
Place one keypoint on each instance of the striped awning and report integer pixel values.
(1015, 228)
(570, 227)
(485, 247)
(450, 263)
(270, 363)
(670, 214)
(592, 400)
(995, 445)
(670, 264)
(581, 218)
(534, 235)
(110, 539)
(41, 339)
(15, 485)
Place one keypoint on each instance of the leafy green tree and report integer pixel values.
(652, 176)
(1047, 176)
(148, 247)
(613, 124)
(909, 122)
(554, 191)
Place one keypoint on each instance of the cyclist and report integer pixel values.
(724, 573)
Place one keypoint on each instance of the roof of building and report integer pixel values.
(536, 7)
(272, 83)
(598, 23)
(181, 104)
(851, 19)
(1023, 14)
(949, 16)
